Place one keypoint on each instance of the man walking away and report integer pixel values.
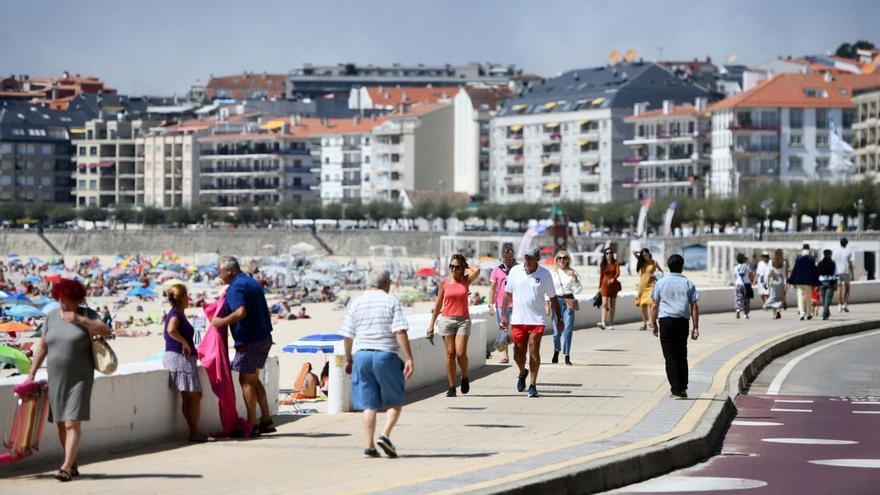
(827, 270)
(843, 263)
(528, 285)
(247, 316)
(804, 277)
(375, 329)
(675, 302)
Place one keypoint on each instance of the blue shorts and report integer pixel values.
(377, 380)
(251, 357)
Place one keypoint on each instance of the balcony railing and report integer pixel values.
(756, 148)
(752, 126)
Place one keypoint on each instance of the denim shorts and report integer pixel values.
(377, 380)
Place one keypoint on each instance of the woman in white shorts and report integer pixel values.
(454, 323)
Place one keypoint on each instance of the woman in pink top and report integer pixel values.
(455, 319)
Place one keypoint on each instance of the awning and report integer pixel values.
(583, 142)
(547, 164)
(549, 105)
(598, 101)
(273, 125)
(518, 107)
(584, 122)
(515, 146)
(590, 163)
(551, 186)
(515, 128)
(552, 125)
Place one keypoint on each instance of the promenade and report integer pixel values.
(613, 400)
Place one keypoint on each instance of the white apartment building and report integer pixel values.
(345, 157)
(475, 106)
(413, 150)
(867, 129)
(109, 171)
(171, 164)
(563, 139)
(671, 150)
(779, 130)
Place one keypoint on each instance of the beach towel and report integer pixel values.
(214, 355)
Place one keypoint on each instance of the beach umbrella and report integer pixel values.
(427, 272)
(41, 300)
(32, 279)
(17, 299)
(13, 356)
(167, 252)
(301, 248)
(141, 291)
(22, 311)
(15, 326)
(172, 281)
(168, 274)
(3, 295)
(53, 279)
(321, 342)
(175, 267)
(133, 283)
(36, 261)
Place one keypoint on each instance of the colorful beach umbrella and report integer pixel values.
(17, 299)
(427, 272)
(15, 326)
(22, 311)
(142, 292)
(321, 342)
(13, 356)
(32, 279)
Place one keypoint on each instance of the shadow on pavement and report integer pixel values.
(430, 391)
(305, 435)
(448, 456)
(101, 476)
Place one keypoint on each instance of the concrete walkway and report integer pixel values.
(614, 399)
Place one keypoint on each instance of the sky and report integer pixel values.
(161, 47)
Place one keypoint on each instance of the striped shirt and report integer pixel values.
(372, 321)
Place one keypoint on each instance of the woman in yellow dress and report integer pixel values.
(646, 267)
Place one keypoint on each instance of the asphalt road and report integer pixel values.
(810, 425)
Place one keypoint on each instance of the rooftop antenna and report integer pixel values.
(613, 57)
(630, 55)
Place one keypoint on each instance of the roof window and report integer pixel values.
(815, 93)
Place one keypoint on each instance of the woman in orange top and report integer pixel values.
(609, 286)
(455, 319)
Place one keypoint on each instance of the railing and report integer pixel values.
(351, 182)
(748, 126)
(756, 148)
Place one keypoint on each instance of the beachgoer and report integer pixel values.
(181, 361)
(454, 322)
(744, 277)
(496, 291)
(609, 286)
(247, 316)
(675, 303)
(567, 285)
(777, 275)
(843, 262)
(67, 336)
(375, 330)
(527, 287)
(646, 267)
(761, 270)
(302, 313)
(827, 278)
(804, 277)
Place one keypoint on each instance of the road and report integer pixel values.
(810, 425)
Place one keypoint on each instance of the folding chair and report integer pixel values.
(27, 421)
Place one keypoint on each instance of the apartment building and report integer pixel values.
(671, 150)
(253, 163)
(563, 138)
(475, 106)
(35, 154)
(313, 81)
(168, 159)
(412, 150)
(779, 130)
(246, 86)
(345, 153)
(384, 99)
(109, 171)
(867, 130)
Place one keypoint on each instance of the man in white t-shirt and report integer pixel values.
(842, 258)
(528, 286)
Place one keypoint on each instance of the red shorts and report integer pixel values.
(520, 333)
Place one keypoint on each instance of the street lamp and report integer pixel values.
(795, 218)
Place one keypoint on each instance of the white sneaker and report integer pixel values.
(601, 325)
(609, 327)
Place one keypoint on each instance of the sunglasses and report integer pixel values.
(562, 257)
(455, 267)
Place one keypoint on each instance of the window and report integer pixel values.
(849, 116)
(795, 164)
(30, 149)
(46, 149)
(768, 166)
(821, 164)
(815, 93)
(796, 139)
(5, 148)
(821, 118)
(18, 131)
(81, 185)
(93, 151)
(46, 181)
(93, 184)
(796, 118)
(589, 188)
(822, 139)
(5, 180)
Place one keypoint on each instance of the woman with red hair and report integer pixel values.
(67, 340)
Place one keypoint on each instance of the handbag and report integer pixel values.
(597, 300)
(105, 359)
(750, 293)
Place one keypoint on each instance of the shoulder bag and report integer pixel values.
(571, 301)
(105, 359)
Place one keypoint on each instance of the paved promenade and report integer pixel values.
(614, 399)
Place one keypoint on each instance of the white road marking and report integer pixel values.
(793, 401)
(866, 412)
(667, 484)
(791, 410)
(755, 423)
(857, 463)
(809, 441)
(780, 377)
(865, 403)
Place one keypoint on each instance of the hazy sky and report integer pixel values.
(163, 46)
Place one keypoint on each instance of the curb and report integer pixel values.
(684, 451)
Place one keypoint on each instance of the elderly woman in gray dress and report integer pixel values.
(67, 342)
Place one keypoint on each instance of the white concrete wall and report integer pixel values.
(135, 406)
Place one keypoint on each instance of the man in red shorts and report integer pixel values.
(528, 286)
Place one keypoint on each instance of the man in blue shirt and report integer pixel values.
(675, 303)
(247, 316)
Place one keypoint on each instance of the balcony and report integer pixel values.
(754, 126)
(351, 182)
(290, 169)
(674, 159)
(755, 149)
(551, 157)
(679, 137)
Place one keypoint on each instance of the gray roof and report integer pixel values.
(134, 106)
(18, 118)
(621, 86)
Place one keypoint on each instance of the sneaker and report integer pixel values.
(845, 309)
(267, 427)
(555, 357)
(533, 390)
(450, 392)
(568, 360)
(737, 315)
(682, 394)
(385, 444)
(809, 317)
(802, 317)
(465, 385)
(840, 309)
(609, 327)
(371, 453)
(601, 325)
(521, 381)
(643, 328)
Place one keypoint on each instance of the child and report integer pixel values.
(817, 303)
(180, 360)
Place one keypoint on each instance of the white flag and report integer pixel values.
(842, 154)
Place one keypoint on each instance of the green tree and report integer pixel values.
(11, 211)
(267, 212)
(355, 211)
(442, 209)
(179, 216)
(152, 216)
(62, 214)
(245, 214)
(849, 50)
(392, 210)
(39, 211)
(423, 209)
(313, 210)
(125, 214)
(92, 214)
(289, 209)
(333, 211)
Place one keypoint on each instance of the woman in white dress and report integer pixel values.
(777, 274)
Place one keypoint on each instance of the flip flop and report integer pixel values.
(63, 476)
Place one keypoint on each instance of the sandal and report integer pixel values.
(267, 427)
(75, 471)
(504, 361)
(63, 476)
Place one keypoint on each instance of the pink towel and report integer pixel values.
(214, 355)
